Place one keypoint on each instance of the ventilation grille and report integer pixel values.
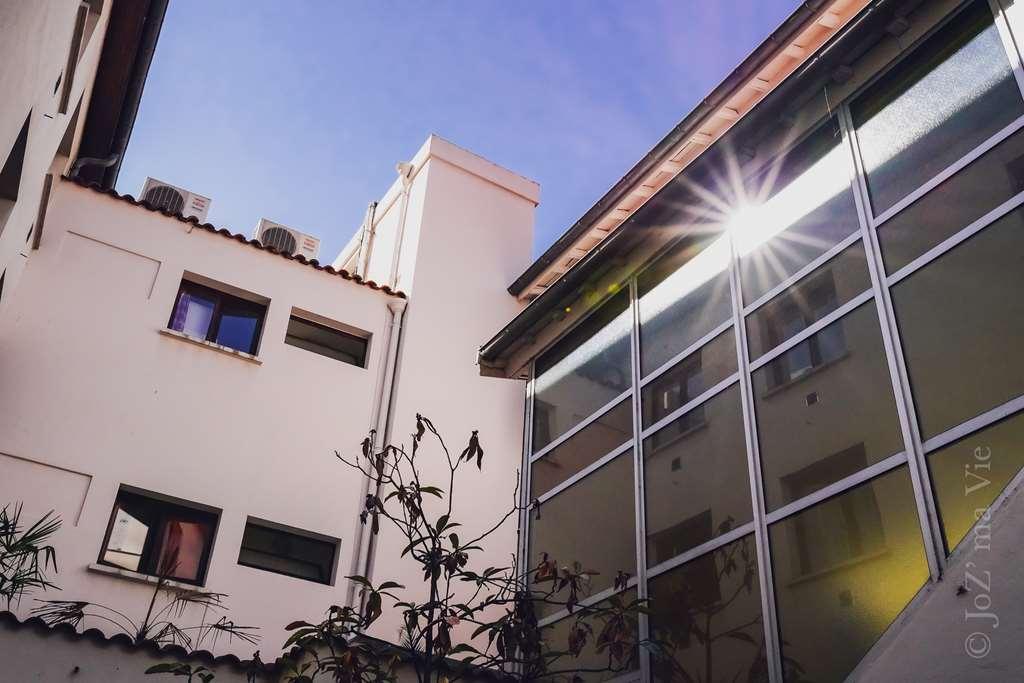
(279, 239)
(163, 197)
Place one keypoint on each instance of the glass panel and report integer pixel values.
(954, 204)
(286, 553)
(810, 300)
(239, 327)
(969, 474)
(127, 540)
(181, 548)
(950, 95)
(326, 341)
(844, 569)
(594, 441)
(961, 320)
(590, 666)
(683, 296)
(696, 477)
(706, 618)
(797, 209)
(692, 376)
(825, 408)
(593, 522)
(192, 315)
(583, 371)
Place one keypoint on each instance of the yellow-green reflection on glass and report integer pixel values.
(843, 570)
(706, 618)
(969, 474)
(590, 666)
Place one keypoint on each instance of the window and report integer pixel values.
(706, 618)
(712, 477)
(205, 313)
(326, 341)
(951, 94)
(597, 439)
(814, 297)
(592, 664)
(292, 553)
(843, 570)
(152, 536)
(961, 320)
(601, 537)
(584, 371)
(834, 408)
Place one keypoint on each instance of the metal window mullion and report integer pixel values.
(974, 424)
(698, 551)
(643, 622)
(920, 478)
(686, 353)
(585, 472)
(524, 493)
(769, 617)
(700, 400)
(581, 425)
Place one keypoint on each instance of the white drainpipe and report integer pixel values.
(362, 559)
(405, 172)
(366, 240)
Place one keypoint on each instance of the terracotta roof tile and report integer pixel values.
(330, 270)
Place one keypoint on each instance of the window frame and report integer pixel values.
(275, 528)
(164, 508)
(307, 319)
(219, 298)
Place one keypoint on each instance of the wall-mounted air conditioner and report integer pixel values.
(175, 199)
(285, 239)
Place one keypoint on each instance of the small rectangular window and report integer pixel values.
(326, 341)
(155, 537)
(223, 319)
(291, 553)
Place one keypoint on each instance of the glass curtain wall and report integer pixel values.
(766, 424)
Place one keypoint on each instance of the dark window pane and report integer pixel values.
(826, 408)
(193, 314)
(961, 319)
(706, 617)
(696, 477)
(583, 371)
(326, 341)
(597, 439)
(590, 666)
(946, 98)
(239, 327)
(701, 370)
(954, 204)
(843, 570)
(807, 208)
(808, 301)
(592, 522)
(969, 474)
(683, 296)
(286, 553)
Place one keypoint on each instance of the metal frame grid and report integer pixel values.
(915, 451)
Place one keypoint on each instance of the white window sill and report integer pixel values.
(242, 355)
(141, 578)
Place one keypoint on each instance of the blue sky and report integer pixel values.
(298, 111)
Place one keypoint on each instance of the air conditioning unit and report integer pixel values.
(285, 239)
(175, 199)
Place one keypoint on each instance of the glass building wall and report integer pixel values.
(768, 428)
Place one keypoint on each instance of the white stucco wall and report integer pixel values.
(34, 41)
(94, 396)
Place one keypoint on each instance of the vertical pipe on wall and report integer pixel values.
(366, 240)
(405, 173)
(363, 540)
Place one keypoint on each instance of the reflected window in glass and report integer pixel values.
(692, 376)
(842, 406)
(844, 569)
(696, 477)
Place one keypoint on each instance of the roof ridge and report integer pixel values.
(314, 263)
